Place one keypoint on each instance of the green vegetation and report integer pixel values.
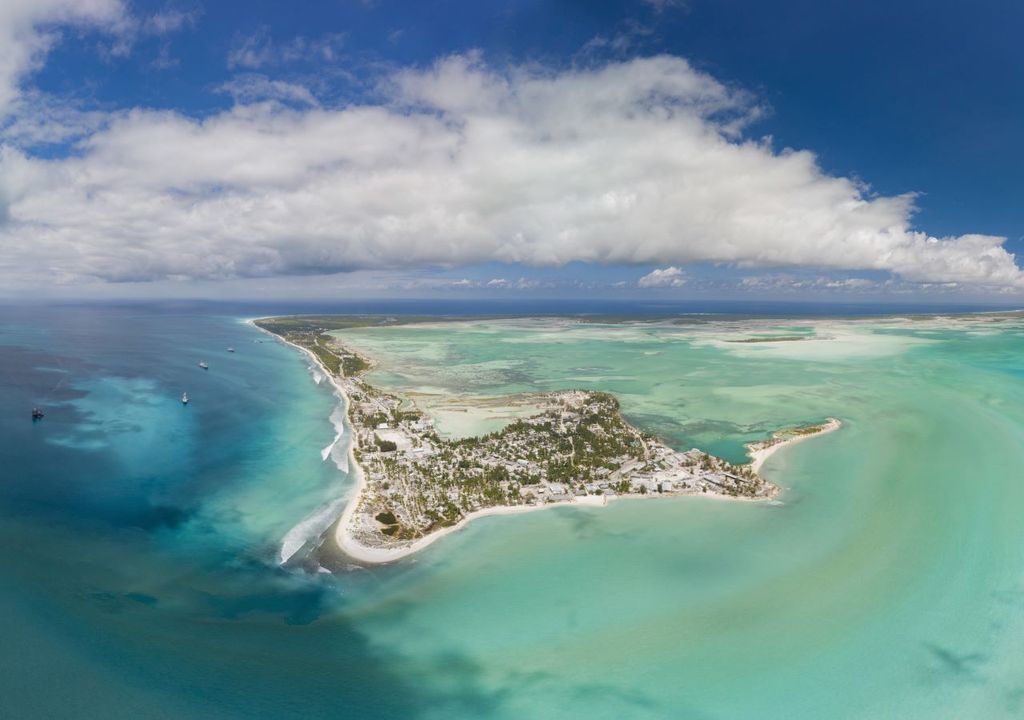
(808, 430)
(386, 445)
(311, 334)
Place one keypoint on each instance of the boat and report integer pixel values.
(184, 398)
(231, 349)
(37, 414)
(204, 366)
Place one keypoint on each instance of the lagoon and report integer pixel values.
(146, 580)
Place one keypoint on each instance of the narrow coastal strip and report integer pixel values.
(761, 451)
(412, 487)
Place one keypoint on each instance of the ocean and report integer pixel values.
(142, 575)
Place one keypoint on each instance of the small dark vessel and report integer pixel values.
(37, 414)
(204, 366)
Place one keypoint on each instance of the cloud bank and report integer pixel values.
(636, 162)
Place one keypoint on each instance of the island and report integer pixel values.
(413, 485)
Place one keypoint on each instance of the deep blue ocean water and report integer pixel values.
(139, 572)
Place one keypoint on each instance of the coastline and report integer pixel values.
(346, 542)
(759, 452)
(377, 556)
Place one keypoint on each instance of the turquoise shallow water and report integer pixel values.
(141, 576)
(887, 585)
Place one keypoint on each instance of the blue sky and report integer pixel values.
(567, 148)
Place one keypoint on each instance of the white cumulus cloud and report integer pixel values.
(635, 162)
(29, 28)
(663, 277)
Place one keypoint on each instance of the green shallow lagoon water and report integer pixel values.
(889, 583)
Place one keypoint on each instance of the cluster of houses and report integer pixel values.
(415, 476)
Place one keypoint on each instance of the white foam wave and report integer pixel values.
(318, 377)
(327, 450)
(341, 457)
(313, 526)
(309, 529)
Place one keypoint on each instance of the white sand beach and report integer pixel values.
(759, 452)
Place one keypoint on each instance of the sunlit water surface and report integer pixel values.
(142, 538)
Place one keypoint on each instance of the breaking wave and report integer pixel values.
(309, 529)
(318, 377)
(339, 454)
(313, 526)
